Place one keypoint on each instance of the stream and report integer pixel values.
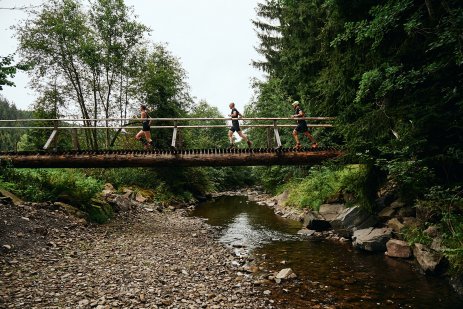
(329, 274)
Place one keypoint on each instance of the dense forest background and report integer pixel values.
(391, 72)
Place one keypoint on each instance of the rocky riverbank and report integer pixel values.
(379, 231)
(146, 257)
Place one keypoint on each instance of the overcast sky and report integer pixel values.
(214, 40)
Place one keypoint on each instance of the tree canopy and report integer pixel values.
(390, 71)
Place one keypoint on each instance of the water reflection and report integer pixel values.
(246, 223)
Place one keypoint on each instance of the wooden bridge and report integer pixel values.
(50, 157)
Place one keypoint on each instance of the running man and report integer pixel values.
(236, 127)
(145, 133)
(301, 127)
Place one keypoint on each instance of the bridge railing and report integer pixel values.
(112, 123)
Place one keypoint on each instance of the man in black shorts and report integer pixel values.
(236, 127)
(301, 126)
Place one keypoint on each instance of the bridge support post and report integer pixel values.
(277, 135)
(174, 135)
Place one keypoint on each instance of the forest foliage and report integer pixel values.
(391, 72)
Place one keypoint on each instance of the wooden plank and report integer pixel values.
(50, 139)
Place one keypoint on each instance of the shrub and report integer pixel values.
(70, 186)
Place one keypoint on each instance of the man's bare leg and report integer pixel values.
(311, 138)
(296, 138)
(230, 138)
(243, 136)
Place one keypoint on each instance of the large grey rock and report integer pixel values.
(350, 219)
(386, 214)
(430, 261)
(371, 239)
(398, 248)
(331, 211)
(314, 221)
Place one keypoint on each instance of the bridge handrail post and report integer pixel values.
(277, 134)
(174, 135)
(52, 139)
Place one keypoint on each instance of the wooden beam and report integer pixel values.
(165, 159)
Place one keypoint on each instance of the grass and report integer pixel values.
(325, 182)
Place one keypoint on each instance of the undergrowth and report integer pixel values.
(324, 182)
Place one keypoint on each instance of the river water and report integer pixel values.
(329, 274)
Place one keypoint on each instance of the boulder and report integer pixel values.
(351, 219)
(99, 210)
(430, 261)
(140, 198)
(70, 210)
(282, 198)
(120, 202)
(397, 204)
(371, 239)
(386, 214)
(128, 193)
(286, 273)
(331, 211)
(398, 248)
(407, 212)
(432, 231)
(314, 221)
(16, 200)
(395, 225)
(108, 189)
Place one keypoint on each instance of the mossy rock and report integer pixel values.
(71, 210)
(99, 211)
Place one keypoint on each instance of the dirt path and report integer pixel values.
(141, 260)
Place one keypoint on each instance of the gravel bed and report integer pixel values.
(141, 259)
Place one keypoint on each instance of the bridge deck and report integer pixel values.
(164, 158)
